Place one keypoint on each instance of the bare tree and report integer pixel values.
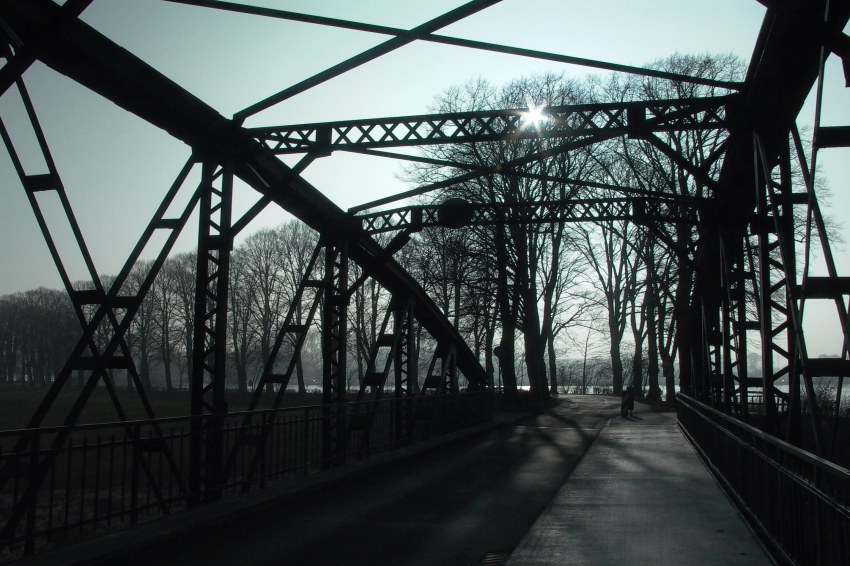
(263, 261)
(143, 325)
(566, 303)
(524, 258)
(183, 280)
(297, 243)
(369, 304)
(239, 318)
(9, 338)
(166, 312)
(605, 249)
(653, 168)
(38, 329)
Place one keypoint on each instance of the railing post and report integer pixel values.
(305, 444)
(134, 476)
(267, 435)
(29, 542)
(821, 559)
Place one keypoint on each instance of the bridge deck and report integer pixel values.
(640, 495)
(476, 500)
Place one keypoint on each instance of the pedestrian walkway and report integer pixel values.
(640, 495)
(558, 487)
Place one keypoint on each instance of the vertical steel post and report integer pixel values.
(728, 339)
(775, 203)
(208, 405)
(733, 278)
(334, 331)
(403, 366)
(740, 326)
(763, 228)
(786, 235)
(403, 363)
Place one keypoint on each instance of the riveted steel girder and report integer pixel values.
(641, 211)
(635, 119)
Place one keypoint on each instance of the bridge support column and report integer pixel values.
(334, 331)
(733, 283)
(406, 379)
(209, 356)
(774, 228)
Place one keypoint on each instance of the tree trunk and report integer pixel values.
(616, 360)
(299, 373)
(584, 365)
(489, 367)
(553, 369)
(144, 370)
(241, 375)
(534, 356)
(166, 364)
(651, 300)
(669, 378)
(637, 370)
(653, 390)
(507, 315)
(534, 348)
(683, 316)
(265, 354)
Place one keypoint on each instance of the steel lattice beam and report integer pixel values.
(626, 118)
(640, 211)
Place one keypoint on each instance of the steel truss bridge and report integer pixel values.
(748, 282)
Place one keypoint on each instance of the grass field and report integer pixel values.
(18, 404)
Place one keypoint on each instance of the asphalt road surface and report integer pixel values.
(469, 501)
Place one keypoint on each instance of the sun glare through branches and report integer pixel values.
(534, 116)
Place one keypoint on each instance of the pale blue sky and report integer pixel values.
(116, 167)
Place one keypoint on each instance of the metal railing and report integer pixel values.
(113, 475)
(798, 503)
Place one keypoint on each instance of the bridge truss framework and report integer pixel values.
(748, 281)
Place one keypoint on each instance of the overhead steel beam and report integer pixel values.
(782, 71)
(811, 23)
(640, 211)
(19, 58)
(455, 41)
(638, 118)
(88, 57)
(401, 40)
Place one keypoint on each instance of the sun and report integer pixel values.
(534, 116)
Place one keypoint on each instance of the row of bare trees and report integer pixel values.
(528, 297)
(618, 277)
(39, 328)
